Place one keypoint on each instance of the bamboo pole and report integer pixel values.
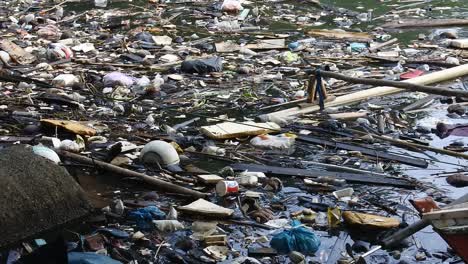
(427, 23)
(435, 77)
(414, 145)
(403, 85)
(163, 185)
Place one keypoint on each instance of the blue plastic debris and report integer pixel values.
(113, 232)
(298, 238)
(90, 258)
(144, 216)
(357, 47)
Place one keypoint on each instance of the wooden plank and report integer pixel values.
(228, 130)
(366, 151)
(312, 173)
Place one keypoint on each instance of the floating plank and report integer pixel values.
(311, 173)
(366, 151)
(228, 130)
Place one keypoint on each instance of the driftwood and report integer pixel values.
(403, 85)
(163, 185)
(427, 23)
(434, 77)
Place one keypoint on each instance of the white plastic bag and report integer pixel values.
(231, 6)
(280, 142)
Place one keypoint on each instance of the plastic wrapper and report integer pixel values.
(213, 64)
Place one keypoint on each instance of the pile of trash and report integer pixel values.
(231, 131)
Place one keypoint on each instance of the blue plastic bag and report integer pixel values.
(298, 238)
(144, 216)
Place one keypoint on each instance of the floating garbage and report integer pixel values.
(160, 152)
(298, 238)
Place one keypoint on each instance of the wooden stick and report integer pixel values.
(435, 77)
(163, 185)
(427, 23)
(403, 85)
(381, 45)
(414, 145)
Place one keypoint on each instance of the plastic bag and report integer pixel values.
(213, 64)
(280, 142)
(231, 6)
(117, 78)
(298, 238)
(144, 216)
(168, 225)
(58, 51)
(65, 80)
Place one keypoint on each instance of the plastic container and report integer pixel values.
(224, 188)
(161, 152)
